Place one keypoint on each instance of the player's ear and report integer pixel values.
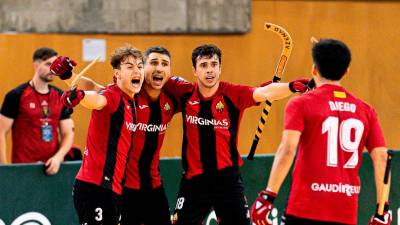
(194, 71)
(347, 71)
(314, 70)
(117, 74)
(35, 64)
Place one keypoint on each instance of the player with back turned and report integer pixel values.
(329, 128)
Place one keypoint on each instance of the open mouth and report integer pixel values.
(157, 79)
(135, 81)
(210, 78)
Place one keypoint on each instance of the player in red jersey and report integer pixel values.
(144, 200)
(212, 110)
(42, 129)
(330, 127)
(98, 185)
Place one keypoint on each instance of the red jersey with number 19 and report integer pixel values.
(109, 141)
(335, 127)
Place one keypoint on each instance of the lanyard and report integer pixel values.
(45, 108)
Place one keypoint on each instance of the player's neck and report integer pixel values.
(321, 81)
(39, 85)
(152, 93)
(208, 91)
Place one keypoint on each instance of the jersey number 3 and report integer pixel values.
(342, 133)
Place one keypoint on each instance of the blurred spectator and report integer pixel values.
(36, 115)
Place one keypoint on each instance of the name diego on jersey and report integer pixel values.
(146, 127)
(342, 106)
(207, 122)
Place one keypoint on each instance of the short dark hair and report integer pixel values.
(155, 49)
(332, 58)
(43, 54)
(120, 54)
(207, 50)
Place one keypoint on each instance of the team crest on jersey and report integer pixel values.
(220, 107)
(167, 107)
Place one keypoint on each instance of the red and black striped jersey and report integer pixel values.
(25, 106)
(152, 120)
(109, 141)
(210, 125)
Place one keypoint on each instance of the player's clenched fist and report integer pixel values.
(262, 207)
(299, 85)
(71, 98)
(384, 219)
(62, 67)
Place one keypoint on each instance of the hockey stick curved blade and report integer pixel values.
(287, 46)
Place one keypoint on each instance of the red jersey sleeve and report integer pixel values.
(241, 95)
(375, 136)
(112, 98)
(177, 86)
(294, 119)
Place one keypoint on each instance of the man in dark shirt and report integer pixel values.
(36, 115)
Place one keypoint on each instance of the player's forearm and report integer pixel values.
(272, 92)
(280, 168)
(92, 100)
(3, 149)
(379, 157)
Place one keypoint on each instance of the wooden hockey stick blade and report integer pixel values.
(287, 44)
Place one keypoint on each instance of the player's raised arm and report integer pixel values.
(277, 91)
(63, 67)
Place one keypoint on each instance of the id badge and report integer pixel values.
(47, 133)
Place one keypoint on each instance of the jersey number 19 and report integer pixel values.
(342, 133)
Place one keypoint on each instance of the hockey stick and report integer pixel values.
(386, 183)
(77, 77)
(280, 69)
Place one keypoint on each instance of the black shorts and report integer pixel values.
(95, 205)
(149, 207)
(292, 220)
(222, 191)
